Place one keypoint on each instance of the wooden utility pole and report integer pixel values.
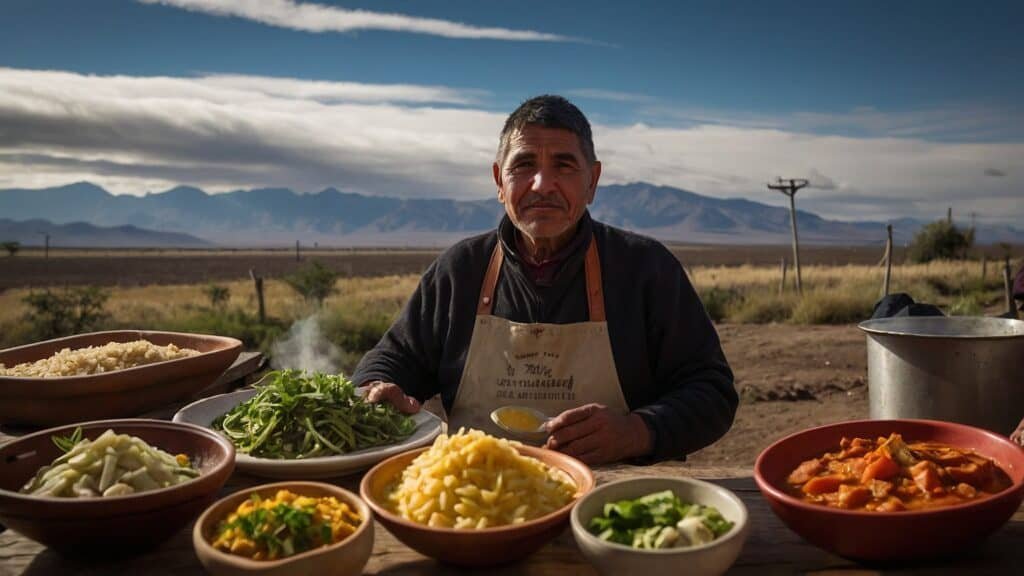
(46, 244)
(949, 215)
(888, 260)
(258, 281)
(789, 188)
(782, 282)
(297, 256)
(984, 267)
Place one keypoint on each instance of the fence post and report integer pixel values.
(984, 267)
(258, 281)
(782, 282)
(888, 260)
(1008, 288)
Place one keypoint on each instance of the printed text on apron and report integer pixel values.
(550, 367)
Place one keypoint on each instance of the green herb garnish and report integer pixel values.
(298, 415)
(283, 530)
(66, 443)
(653, 521)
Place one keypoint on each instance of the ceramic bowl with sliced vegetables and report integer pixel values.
(285, 529)
(658, 525)
(110, 487)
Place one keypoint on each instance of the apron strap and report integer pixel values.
(595, 291)
(592, 266)
(490, 281)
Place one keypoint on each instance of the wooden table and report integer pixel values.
(771, 547)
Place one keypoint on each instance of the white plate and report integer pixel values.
(205, 411)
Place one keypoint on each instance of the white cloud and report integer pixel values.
(222, 133)
(876, 178)
(310, 17)
(951, 123)
(133, 134)
(323, 91)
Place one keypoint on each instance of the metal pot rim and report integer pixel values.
(946, 327)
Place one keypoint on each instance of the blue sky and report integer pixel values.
(892, 108)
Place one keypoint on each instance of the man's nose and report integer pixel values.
(545, 180)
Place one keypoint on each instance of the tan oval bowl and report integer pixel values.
(345, 558)
(115, 394)
(119, 525)
(485, 547)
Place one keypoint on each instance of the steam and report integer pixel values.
(305, 348)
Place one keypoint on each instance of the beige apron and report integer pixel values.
(550, 367)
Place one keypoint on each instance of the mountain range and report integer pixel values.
(84, 235)
(279, 216)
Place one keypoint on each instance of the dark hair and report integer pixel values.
(549, 111)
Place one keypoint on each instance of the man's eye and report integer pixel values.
(566, 167)
(522, 166)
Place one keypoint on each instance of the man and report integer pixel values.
(595, 326)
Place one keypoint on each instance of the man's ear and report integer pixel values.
(496, 172)
(595, 175)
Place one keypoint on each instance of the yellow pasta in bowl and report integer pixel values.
(471, 480)
(473, 499)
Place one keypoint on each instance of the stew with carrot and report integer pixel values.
(889, 475)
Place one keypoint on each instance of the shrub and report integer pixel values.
(940, 240)
(234, 323)
(11, 247)
(763, 308)
(967, 305)
(17, 333)
(355, 330)
(718, 300)
(314, 282)
(72, 311)
(218, 295)
(833, 307)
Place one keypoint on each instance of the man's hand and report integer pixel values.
(596, 435)
(1018, 434)
(392, 394)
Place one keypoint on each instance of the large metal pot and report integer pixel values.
(959, 369)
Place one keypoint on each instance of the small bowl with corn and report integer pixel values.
(285, 528)
(475, 500)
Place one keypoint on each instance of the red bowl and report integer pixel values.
(884, 536)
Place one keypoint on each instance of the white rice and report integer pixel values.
(97, 359)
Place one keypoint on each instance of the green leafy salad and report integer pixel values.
(296, 414)
(658, 520)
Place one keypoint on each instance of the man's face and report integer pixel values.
(545, 182)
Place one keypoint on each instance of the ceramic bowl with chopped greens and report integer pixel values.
(285, 529)
(655, 525)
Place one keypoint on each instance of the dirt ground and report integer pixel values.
(789, 378)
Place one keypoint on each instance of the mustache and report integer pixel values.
(542, 202)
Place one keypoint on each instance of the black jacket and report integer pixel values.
(667, 354)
